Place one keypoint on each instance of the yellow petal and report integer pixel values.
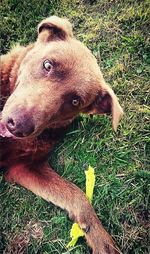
(75, 233)
(72, 243)
(90, 182)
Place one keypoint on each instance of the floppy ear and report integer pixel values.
(106, 102)
(54, 28)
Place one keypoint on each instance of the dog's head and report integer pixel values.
(57, 79)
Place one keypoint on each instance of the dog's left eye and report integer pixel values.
(47, 64)
(75, 102)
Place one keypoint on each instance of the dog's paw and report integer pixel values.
(105, 249)
(99, 240)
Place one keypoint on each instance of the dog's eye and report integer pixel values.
(75, 102)
(47, 64)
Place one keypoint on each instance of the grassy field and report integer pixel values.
(117, 33)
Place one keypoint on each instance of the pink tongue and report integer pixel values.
(4, 132)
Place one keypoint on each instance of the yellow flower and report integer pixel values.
(76, 231)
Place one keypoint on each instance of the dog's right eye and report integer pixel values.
(47, 64)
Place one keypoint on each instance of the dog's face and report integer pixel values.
(57, 79)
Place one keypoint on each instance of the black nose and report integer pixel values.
(20, 124)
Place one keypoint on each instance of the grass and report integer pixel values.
(117, 33)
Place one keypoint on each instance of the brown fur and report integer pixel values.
(49, 101)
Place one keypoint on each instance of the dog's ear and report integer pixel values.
(106, 102)
(54, 28)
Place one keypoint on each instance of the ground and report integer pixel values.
(117, 33)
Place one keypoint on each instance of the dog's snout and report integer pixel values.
(20, 124)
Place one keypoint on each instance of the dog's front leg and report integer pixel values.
(46, 183)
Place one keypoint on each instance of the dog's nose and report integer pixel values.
(20, 124)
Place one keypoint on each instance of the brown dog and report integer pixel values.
(44, 87)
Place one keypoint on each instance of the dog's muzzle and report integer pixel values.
(20, 123)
